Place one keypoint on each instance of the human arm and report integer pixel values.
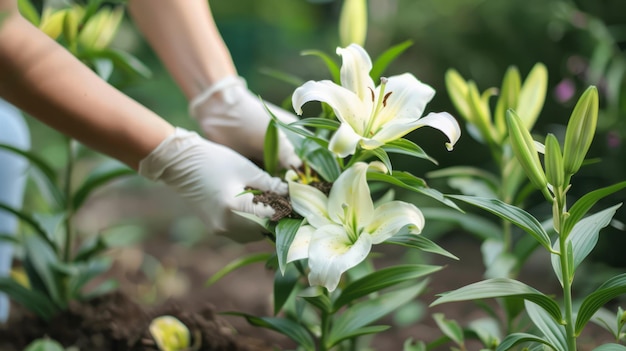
(186, 39)
(42, 78)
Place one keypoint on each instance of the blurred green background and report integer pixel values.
(581, 42)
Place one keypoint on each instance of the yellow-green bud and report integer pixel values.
(170, 334)
(353, 22)
(532, 95)
(70, 27)
(458, 91)
(555, 172)
(580, 130)
(524, 149)
(52, 22)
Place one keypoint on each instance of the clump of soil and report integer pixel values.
(115, 322)
(281, 204)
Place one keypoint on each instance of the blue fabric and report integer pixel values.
(13, 131)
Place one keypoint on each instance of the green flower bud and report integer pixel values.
(52, 22)
(353, 22)
(525, 150)
(580, 130)
(458, 91)
(555, 172)
(508, 96)
(532, 95)
(70, 27)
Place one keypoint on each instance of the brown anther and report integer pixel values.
(373, 95)
(385, 99)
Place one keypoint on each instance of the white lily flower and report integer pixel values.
(343, 226)
(370, 115)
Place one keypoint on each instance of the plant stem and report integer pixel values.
(69, 205)
(566, 270)
(325, 326)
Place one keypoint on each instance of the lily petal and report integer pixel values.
(407, 99)
(299, 248)
(346, 104)
(392, 216)
(344, 141)
(442, 121)
(349, 201)
(310, 203)
(331, 254)
(355, 72)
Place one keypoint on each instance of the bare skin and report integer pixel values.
(42, 78)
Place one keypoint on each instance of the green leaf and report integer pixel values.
(286, 230)
(513, 214)
(474, 172)
(611, 289)
(44, 168)
(332, 66)
(34, 224)
(103, 174)
(293, 330)
(584, 237)
(383, 60)
(85, 273)
(8, 238)
(553, 331)
(518, 338)
(419, 242)
(121, 59)
(315, 296)
(610, 347)
(585, 203)
(238, 263)
(382, 156)
(317, 122)
(32, 300)
(475, 224)
(284, 284)
(380, 280)
(365, 312)
(501, 287)
(282, 76)
(44, 345)
(407, 147)
(271, 148)
(103, 67)
(450, 328)
(324, 163)
(90, 249)
(43, 260)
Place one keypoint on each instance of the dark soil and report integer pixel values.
(115, 322)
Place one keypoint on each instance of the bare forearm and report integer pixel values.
(185, 37)
(43, 79)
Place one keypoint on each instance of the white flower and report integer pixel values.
(343, 227)
(371, 116)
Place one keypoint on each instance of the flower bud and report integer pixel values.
(170, 334)
(52, 22)
(353, 22)
(580, 130)
(70, 27)
(524, 149)
(554, 162)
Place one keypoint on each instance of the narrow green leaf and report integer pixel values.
(324, 163)
(611, 289)
(85, 273)
(284, 284)
(315, 296)
(476, 224)
(610, 347)
(44, 168)
(518, 338)
(365, 312)
(34, 224)
(282, 76)
(238, 263)
(332, 66)
(102, 175)
(419, 242)
(285, 232)
(90, 249)
(553, 331)
(32, 300)
(373, 329)
(380, 280)
(584, 237)
(9, 238)
(585, 203)
(317, 122)
(382, 156)
(28, 11)
(474, 172)
(450, 328)
(515, 215)
(383, 60)
(501, 287)
(121, 59)
(43, 259)
(407, 147)
(271, 148)
(294, 331)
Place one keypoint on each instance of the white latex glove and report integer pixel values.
(211, 178)
(231, 115)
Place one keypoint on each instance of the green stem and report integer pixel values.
(566, 272)
(69, 168)
(325, 324)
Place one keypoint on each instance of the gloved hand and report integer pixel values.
(211, 178)
(231, 115)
